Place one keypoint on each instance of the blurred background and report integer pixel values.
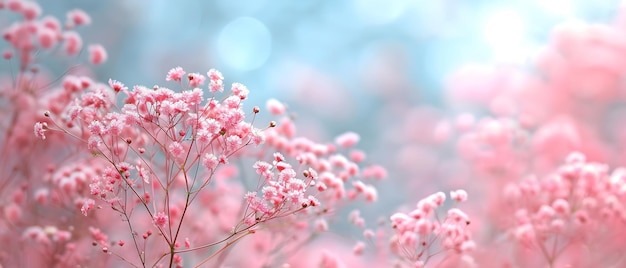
(376, 67)
(345, 55)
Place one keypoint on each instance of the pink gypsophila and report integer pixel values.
(175, 74)
(195, 79)
(347, 139)
(160, 219)
(40, 130)
(97, 54)
(275, 107)
(78, 17)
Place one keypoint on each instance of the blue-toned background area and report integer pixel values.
(264, 44)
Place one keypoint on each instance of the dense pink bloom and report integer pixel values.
(422, 231)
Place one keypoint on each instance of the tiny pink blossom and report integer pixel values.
(14, 5)
(210, 161)
(371, 194)
(78, 17)
(12, 212)
(374, 171)
(216, 86)
(97, 54)
(347, 139)
(257, 138)
(438, 198)
(195, 79)
(175, 74)
(369, 234)
(357, 156)
(160, 219)
(73, 43)
(41, 195)
(278, 157)
(31, 10)
(275, 107)
(358, 248)
(51, 23)
(176, 149)
(116, 85)
(40, 130)
(262, 167)
(97, 128)
(215, 75)
(47, 38)
(240, 91)
(457, 215)
(458, 195)
(7, 54)
(87, 205)
(561, 206)
(62, 236)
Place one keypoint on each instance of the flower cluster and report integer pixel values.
(283, 191)
(420, 235)
(36, 33)
(581, 203)
(163, 149)
(44, 183)
(565, 104)
(100, 174)
(159, 146)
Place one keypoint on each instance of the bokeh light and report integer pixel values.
(244, 44)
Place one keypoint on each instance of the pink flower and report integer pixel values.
(210, 161)
(347, 139)
(87, 205)
(458, 195)
(73, 43)
(40, 130)
(7, 54)
(15, 5)
(30, 10)
(195, 79)
(97, 54)
(358, 248)
(175, 74)
(176, 149)
(216, 86)
(215, 75)
(262, 167)
(160, 219)
(47, 38)
(275, 107)
(78, 17)
(240, 91)
(13, 213)
(117, 86)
